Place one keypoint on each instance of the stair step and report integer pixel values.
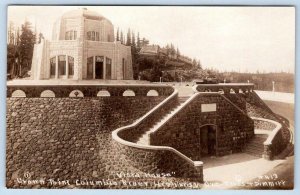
(254, 154)
(254, 151)
(144, 138)
(258, 147)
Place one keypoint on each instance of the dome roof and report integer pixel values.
(84, 12)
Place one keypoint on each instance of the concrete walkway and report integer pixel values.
(232, 170)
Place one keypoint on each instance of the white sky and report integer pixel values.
(242, 39)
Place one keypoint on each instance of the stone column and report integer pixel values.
(67, 66)
(104, 67)
(94, 68)
(56, 67)
(199, 171)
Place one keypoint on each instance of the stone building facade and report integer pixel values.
(82, 47)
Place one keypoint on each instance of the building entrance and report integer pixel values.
(99, 70)
(208, 140)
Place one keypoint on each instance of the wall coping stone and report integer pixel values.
(273, 133)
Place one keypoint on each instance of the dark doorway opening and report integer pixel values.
(208, 140)
(99, 70)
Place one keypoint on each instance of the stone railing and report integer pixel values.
(86, 90)
(263, 124)
(154, 159)
(275, 142)
(225, 87)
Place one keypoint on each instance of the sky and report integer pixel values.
(244, 39)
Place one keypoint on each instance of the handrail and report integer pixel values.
(182, 106)
(116, 137)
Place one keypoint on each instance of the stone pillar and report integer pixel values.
(199, 171)
(94, 67)
(267, 152)
(56, 67)
(67, 66)
(104, 67)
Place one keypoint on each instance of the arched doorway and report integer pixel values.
(208, 140)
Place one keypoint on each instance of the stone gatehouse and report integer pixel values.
(210, 125)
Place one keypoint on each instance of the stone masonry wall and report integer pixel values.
(181, 132)
(68, 138)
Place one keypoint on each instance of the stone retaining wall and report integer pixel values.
(67, 138)
(160, 161)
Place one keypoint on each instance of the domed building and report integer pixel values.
(82, 47)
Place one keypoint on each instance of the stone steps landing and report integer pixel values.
(256, 145)
(145, 138)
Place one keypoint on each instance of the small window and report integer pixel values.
(128, 92)
(18, 93)
(67, 36)
(75, 35)
(97, 36)
(47, 93)
(52, 66)
(71, 65)
(88, 35)
(103, 93)
(152, 92)
(93, 36)
(61, 65)
(108, 68)
(76, 93)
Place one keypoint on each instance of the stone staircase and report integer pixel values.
(256, 145)
(145, 138)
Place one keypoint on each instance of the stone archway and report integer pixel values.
(208, 140)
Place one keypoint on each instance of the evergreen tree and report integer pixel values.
(122, 38)
(117, 37)
(133, 44)
(177, 53)
(144, 42)
(128, 40)
(138, 42)
(172, 50)
(168, 49)
(27, 40)
(199, 64)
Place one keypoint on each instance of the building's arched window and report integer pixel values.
(128, 92)
(18, 93)
(62, 65)
(108, 68)
(53, 66)
(47, 93)
(103, 93)
(152, 92)
(71, 65)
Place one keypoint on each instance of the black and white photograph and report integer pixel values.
(150, 97)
